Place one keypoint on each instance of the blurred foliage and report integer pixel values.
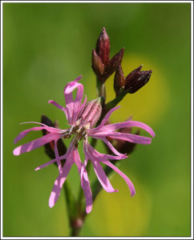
(46, 45)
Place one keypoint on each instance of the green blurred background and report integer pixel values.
(47, 45)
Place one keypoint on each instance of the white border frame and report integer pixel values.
(191, 2)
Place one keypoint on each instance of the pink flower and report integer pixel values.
(82, 117)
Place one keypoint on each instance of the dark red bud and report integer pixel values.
(103, 46)
(135, 71)
(136, 80)
(113, 64)
(97, 64)
(115, 61)
(119, 80)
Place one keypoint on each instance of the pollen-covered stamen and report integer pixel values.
(91, 112)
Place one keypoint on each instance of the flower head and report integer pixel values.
(82, 117)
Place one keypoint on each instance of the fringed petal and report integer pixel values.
(130, 138)
(85, 184)
(103, 179)
(36, 143)
(105, 130)
(73, 106)
(44, 127)
(59, 182)
(127, 180)
(105, 119)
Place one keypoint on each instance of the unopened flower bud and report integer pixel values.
(137, 79)
(103, 46)
(103, 66)
(119, 81)
(114, 63)
(97, 64)
(91, 112)
(49, 147)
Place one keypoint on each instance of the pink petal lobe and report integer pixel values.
(25, 132)
(73, 106)
(105, 119)
(109, 145)
(130, 138)
(111, 127)
(57, 156)
(85, 184)
(36, 143)
(103, 179)
(59, 183)
(91, 152)
(127, 180)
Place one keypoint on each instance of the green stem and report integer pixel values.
(101, 91)
(114, 102)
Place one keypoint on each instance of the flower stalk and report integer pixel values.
(90, 119)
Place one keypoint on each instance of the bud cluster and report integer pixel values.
(133, 82)
(103, 67)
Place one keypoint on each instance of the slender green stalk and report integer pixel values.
(114, 102)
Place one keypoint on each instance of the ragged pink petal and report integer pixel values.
(48, 128)
(70, 87)
(96, 158)
(88, 149)
(58, 106)
(105, 119)
(59, 183)
(83, 104)
(27, 147)
(73, 106)
(111, 127)
(50, 162)
(127, 180)
(114, 150)
(57, 156)
(130, 138)
(103, 179)
(25, 132)
(85, 184)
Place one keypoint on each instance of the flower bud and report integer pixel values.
(119, 81)
(97, 64)
(137, 79)
(91, 112)
(114, 63)
(49, 147)
(103, 66)
(103, 46)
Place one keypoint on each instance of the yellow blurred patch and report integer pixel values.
(119, 214)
